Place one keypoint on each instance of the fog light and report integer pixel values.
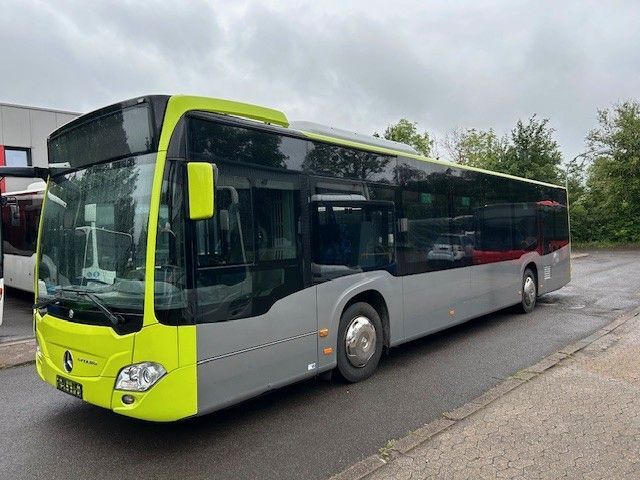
(128, 399)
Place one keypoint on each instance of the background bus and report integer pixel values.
(1, 278)
(20, 220)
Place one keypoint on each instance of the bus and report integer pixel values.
(195, 252)
(20, 220)
(1, 279)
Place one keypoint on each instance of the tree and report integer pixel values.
(529, 151)
(407, 132)
(476, 148)
(581, 221)
(613, 182)
(533, 153)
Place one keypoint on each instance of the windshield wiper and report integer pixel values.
(115, 318)
(45, 302)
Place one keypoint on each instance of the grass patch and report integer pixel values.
(386, 452)
(604, 245)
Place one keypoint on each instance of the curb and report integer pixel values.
(395, 448)
(18, 352)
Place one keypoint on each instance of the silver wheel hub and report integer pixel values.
(360, 341)
(529, 291)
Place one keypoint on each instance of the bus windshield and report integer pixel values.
(94, 232)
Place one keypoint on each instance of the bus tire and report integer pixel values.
(529, 291)
(360, 342)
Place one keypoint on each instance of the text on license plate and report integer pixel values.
(69, 386)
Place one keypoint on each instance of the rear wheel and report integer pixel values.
(529, 291)
(359, 342)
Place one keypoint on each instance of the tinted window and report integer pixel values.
(467, 198)
(338, 161)
(276, 222)
(117, 134)
(20, 221)
(170, 286)
(220, 142)
(525, 224)
(227, 238)
(248, 253)
(381, 192)
(425, 217)
(554, 220)
(351, 237)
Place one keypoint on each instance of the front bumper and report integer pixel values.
(172, 398)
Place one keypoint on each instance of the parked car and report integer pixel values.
(450, 248)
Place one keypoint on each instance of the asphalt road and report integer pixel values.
(17, 323)
(316, 428)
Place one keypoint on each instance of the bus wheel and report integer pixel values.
(529, 291)
(359, 342)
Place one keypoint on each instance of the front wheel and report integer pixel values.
(529, 291)
(359, 342)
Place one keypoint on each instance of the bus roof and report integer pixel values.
(341, 137)
(181, 104)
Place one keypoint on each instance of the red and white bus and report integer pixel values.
(20, 220)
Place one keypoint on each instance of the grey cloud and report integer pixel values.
(359, 65)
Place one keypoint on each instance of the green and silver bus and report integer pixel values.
(196, 252)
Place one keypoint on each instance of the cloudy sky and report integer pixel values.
(358, 65)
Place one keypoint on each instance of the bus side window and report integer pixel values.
(351, 238)
(227, 238)
(276, 224)
(276, 212)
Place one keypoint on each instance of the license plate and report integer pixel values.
(69, 386)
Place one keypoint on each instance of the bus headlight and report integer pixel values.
(139, 377)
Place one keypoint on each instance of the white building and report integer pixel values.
(23, 138)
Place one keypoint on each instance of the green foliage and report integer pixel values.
(613, 183)
(529, 151)
(533, 153)
(603, 245)
(603, 183)
(477, 148)
(407, 132)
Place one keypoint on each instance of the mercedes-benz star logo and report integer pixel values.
(68, 361)
(71, 313)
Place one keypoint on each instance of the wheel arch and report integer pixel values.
(376, 300)
(534, 268)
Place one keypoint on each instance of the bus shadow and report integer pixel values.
(433, 343)
(116, 431)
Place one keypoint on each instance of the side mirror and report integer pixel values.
(201, 184)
